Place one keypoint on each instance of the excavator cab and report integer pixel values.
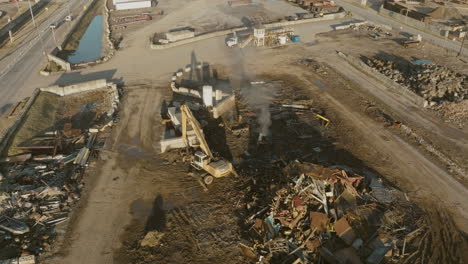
(199, 160)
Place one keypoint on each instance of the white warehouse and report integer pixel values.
(131, 4)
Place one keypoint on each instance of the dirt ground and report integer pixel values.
(133, 189)
(137, 190)
(203, 16)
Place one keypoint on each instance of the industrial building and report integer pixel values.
(131, 4)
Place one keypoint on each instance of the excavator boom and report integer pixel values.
(187, 117)
(203, 159)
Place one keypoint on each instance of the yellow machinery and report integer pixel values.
(203, 159)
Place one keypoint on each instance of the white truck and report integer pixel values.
(232, 41)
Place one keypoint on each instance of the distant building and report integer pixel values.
(131, 4)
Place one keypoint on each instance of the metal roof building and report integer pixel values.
(131, 4)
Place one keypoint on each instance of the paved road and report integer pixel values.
(25, 61)
(372, 15)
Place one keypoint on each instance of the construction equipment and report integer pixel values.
(232, 41)
(203, 159)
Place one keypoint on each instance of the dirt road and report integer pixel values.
(132, 191)
(113, 182)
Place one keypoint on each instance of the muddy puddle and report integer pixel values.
(90, 45)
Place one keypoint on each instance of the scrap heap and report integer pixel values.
(37, 193)
(42, 178)
(297, 211)
(328, 214)
(434, 83)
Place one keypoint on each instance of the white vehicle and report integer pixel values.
(68, 18)
(231, 42)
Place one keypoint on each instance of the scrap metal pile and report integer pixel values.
(317, 214)
(434, 83)
(38, 191)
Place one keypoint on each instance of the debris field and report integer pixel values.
(299, 198)
(42, 181)
(434, 83)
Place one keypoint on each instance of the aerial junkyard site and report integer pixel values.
(242, 131)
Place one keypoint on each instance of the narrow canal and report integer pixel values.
(90, 46)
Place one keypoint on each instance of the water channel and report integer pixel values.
(90, 46)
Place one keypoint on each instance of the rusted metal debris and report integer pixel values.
(39, 188)
(323, 215)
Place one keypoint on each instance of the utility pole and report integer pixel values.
(32, 14)
(406, 16)
(37, 30)
(10, 34)
(461, 46)
(68, 7)
(52, 28)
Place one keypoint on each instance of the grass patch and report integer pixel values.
(40, 118)
(52, 66)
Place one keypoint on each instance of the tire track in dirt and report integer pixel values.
(148, 121)
(414, 170)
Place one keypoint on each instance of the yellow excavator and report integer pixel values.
(203, 159)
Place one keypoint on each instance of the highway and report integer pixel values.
(25, 61)
(372, 15)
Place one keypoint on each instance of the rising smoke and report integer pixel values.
(256, 95)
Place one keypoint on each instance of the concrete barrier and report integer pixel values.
(185, 91)
(225, 32)
(176, 143)
(62, 63)
(76, 88)
(355, 24)
(224, 106)
(308, 20)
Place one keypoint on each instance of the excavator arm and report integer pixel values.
(188, 118)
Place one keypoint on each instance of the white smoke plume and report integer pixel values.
(257, 95)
